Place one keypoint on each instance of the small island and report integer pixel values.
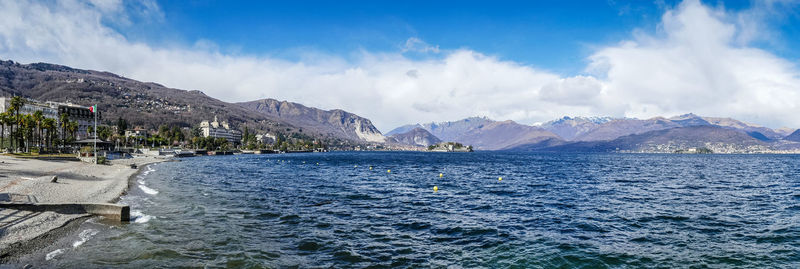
(449, 147)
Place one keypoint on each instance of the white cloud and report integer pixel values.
(699, 65)
(418, 45)
(577, 90)
(698, 62)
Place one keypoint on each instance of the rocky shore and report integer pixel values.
(30, 180)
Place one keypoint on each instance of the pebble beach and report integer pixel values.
(29, 181)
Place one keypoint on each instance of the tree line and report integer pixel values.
(32, 132)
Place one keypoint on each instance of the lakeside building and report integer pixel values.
(266, 138)
(137, 131)
(30, 107)
(51, 110)
(220, 130)
(80, 114)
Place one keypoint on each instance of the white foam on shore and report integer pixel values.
(53, 254)
(139, 217)
(140, 180)
(84, 236)
(148, 190)
(149, 170)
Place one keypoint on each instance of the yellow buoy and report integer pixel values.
(389, 171)
(317, 163)
(440, 175)
(435, 189)
(355, 166)
(500, 179)
(370, 168)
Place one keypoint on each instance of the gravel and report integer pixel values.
(29, 180)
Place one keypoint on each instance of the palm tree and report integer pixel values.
(4, 120)
(10, 120)
(50, 125)
(64, 120)
(72, 128)
(37, 118)
(16, 123)
(16, 104)
(25, 130)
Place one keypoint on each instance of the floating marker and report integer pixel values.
(355, 166)
(440, 175)
(389, 171)
(500, 179)
(370, 168)
(317, 163)
(435, 189)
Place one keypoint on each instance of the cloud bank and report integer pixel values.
(698, 60)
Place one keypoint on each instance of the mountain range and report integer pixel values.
(414, 137)
(333, 123)
(795, 136)
(594, 129)
(150, 105)
(716, 138)
(606, 134)
(446, 131)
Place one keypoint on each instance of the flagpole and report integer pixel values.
(95, 133)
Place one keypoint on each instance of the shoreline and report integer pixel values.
(27, 180)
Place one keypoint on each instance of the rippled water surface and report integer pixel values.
(549, 210)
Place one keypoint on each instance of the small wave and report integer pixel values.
(148, 190)
(309, 245)
(148, 171)
(84, 236)
(53, 254)
(139, 217)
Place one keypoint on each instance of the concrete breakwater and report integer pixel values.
(34, 208)
(111, 211)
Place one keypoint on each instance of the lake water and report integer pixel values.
(549, 210)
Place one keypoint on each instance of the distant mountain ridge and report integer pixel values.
(580, 129)
(502, 135)
(795, 136)
(141, 103)
(483, 133)
(446, 131)
(657, 134)
(415, 137)
(336, 122)
(150, 104)
(568, 128)
(716, 138)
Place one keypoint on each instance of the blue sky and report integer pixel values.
(413, 61)
(553, 35)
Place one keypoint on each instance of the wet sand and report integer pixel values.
(28, 180)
